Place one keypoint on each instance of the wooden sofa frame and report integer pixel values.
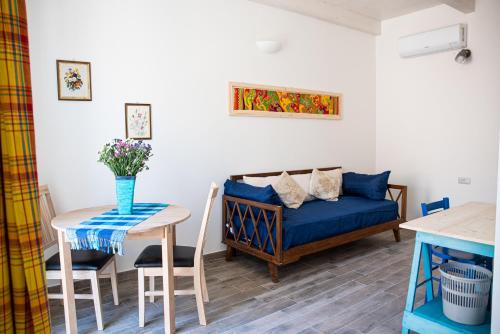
(271, 216)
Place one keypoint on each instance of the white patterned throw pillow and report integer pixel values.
(325, 185)
(289, 191)
(304, 180)
(336, 173)
(260, 181)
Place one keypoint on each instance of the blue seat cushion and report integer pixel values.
(318, 219)
(369, 186)
(260, 194)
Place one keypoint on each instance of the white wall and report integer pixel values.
(179, 56)
(495, 299)
(436, 119)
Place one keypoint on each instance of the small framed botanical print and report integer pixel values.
(138, 120)
(73, 80)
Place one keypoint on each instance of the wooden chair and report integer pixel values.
(188, 261)
(91, 265)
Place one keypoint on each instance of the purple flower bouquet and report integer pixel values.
(125, 159)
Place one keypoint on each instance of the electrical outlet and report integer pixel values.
(464, 180)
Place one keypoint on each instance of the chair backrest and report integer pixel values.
(204, 222)
(433, 207)
(47, 212)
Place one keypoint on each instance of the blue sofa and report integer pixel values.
(255, 222)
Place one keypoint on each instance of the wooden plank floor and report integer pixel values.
(352, 289)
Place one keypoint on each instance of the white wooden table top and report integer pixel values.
(473, 221)
(172, 214)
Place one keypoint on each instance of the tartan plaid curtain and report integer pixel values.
(23, 296)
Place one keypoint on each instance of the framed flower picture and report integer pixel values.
(73, 80)
(138, 120)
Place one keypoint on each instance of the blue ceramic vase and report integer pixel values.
(125, 194)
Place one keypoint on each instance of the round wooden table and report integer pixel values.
(159, 226)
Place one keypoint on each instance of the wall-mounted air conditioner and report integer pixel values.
(438, 40)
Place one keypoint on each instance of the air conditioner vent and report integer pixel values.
(438, 40)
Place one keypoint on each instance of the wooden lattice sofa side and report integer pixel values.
(401, 198)
(238, 213)
(236, 237)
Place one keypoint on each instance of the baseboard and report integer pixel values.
(214, 255)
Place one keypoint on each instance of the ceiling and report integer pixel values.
(363, 15)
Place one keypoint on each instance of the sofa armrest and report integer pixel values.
(258, 215)
(400, 197)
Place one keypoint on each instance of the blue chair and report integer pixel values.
(445, 254)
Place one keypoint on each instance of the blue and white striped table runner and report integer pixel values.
(107, 231)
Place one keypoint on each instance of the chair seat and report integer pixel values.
(151, 257)
(81, 260)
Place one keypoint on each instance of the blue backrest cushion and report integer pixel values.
(259, 194)
(369, 186)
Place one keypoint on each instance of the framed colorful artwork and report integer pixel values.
(138, 120)
(73, 80)
(271, 101)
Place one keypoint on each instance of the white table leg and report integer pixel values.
(167, 251)
(68, 290)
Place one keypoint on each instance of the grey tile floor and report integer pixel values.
(356, 288)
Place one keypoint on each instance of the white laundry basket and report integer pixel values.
(465, 291)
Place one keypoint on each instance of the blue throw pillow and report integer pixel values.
(369, 186)
(246, 191)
